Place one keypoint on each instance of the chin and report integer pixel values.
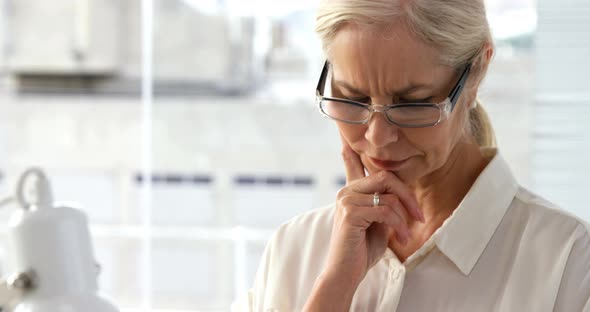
(408, 176)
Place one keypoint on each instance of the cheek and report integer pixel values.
(426, 139)
(434, 142)
(352, 133)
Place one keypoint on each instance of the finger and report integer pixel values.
(401, 238)
(389, 200)
(395, 205)
(360, 215)
(386, 182)
(395, 223)
(352, 162)
(380, 232)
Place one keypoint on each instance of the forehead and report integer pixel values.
(375, 60)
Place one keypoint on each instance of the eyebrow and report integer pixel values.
(407, 90)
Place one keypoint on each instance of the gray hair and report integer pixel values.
(459, 29)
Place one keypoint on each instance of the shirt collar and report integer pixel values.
(465, 234)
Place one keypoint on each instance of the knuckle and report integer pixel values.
(345, 201)
(347, 213)
(340, 203)
(343, 192)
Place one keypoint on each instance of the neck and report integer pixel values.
(441, 192)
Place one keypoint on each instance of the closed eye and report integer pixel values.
(367, 100)
(425, 100)
(364, 99)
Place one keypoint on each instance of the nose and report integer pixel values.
(380, 132)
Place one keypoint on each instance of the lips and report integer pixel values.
(390, 165)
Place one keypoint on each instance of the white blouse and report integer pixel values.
(503, 249)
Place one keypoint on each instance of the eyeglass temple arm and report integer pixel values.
(322, 81)
(456, 92)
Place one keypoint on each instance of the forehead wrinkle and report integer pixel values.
(382, 75)
(379, 66)
(360, 72)
(373, 73)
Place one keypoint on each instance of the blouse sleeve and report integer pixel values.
(574, 291)
(292, 259)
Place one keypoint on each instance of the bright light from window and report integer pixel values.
(204, 6)
(511, 18)
(268, 7)
(513, 23)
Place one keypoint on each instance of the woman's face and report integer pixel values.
(384, 69)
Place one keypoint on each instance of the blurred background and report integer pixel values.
(187, 129)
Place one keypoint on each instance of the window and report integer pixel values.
(185, 176)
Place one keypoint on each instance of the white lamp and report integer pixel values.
(51, 256)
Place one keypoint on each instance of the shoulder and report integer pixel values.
(548, 245)
(539, 211)
(564, 237)
(293, 258)
(316, 219)
(304, 232)
(552, 231)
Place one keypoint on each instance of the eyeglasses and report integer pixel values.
(406, 115)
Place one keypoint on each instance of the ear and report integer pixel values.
(480, 65)
(485, 59)
(479, 70)
(489, 52)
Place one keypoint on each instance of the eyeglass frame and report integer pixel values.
(453, 98)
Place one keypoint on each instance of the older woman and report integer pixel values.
(431, 218)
